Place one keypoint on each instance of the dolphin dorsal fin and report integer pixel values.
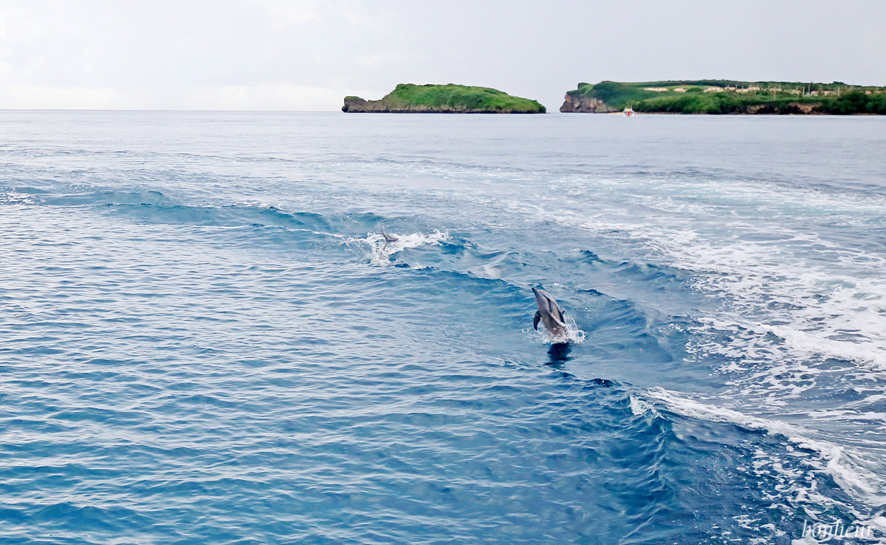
(388, 238)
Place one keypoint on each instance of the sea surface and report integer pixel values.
(205, 340)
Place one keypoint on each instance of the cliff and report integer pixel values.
(726, 97)
(585, 104)
(451, 98)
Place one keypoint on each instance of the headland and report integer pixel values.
(726, 97)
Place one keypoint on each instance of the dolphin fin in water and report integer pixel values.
(388, 239)
(549, 314)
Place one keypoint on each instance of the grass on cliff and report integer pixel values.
(458, 97)
(695, 101)
(730, 103)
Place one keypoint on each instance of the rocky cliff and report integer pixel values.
(791, 108)
(585, 104)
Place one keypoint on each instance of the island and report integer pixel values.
(726, 97)
(450, 98)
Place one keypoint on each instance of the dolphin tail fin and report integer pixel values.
(536, 319)
(388, 238)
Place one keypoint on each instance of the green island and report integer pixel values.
(726, 97)
(451, 98)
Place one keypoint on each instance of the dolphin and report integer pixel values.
(388, 239)
(549, 314)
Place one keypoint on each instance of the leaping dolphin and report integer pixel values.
(550, 315)
(388, 239)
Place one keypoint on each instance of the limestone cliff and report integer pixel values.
(585, 104)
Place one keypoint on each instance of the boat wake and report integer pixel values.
(853, 472)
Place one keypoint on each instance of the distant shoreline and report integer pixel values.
(719, 97)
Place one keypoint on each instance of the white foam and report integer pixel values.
(844, 415)
(816, 344)
(13, 198)
(758, 247)
(791, 291)
(381, 252)
(858, 477)
(640, 407)
(816, 310)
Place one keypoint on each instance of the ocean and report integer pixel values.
(204, 338)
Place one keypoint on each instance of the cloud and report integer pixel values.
(287, 13)
(267, 96)
(26, 97)
(376, 60)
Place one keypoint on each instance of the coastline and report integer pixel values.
(721, 97)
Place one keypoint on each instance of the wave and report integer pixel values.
(812, 309)
(381, 250)
(777, 254)
(858, 477)
(614, 298)
(154, 206)
(17, 198)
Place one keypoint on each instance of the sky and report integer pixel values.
(307, 55)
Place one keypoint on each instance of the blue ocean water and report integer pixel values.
(205, 339)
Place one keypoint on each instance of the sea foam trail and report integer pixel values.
(772, 262)
(812, 310)
(857, 476)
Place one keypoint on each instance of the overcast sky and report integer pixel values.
(307, 55)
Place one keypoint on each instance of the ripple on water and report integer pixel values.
(199, 344)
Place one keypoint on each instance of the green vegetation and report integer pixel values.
(858, 102)
(407, 97)
(728, 97)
